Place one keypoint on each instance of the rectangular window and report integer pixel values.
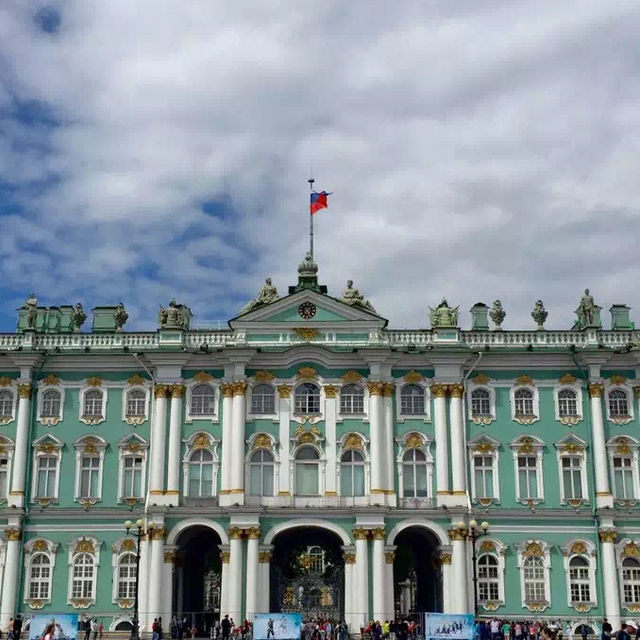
(623, 478)
(483, 471)
(4, 477)
(528, 477)
(132, 477)
(307, 479)
(46, 479)
(572, 478)
(89, 477)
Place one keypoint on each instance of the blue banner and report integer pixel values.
(277, 626)
(65, 626)
(444, 626)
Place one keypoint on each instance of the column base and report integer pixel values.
(231, 498)
(604, 501)
(458, 499)
(16, 500)
(448, 500)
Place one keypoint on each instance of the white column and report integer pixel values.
(226, 586)
(11, 571)
(376, 443)
(226, 454)
(610, 577)
(235, 575)
(603, 491)
(252, 575)
(158, 437)
(156, 569)
(439, 393)
(352, 620)
(175, 432)
(284, 392)
(330, 413)
(264, 567)
(143, 586)
(445, 565)
(389, 555)
(457, 445)
(361, 600)
(460, 599)
(237, 442)
(380, 585)
(388, 390)
(16, 497)
(167, 581)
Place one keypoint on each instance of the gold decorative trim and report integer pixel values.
(253, 533)
(439, 390)
(169, 557)
(136, 379)
(48, 448)
(36, 603)
(94, 381)
(263, 376)
(40, 545)
(161, 391)
(567, 378)
(227, 389)
(6, 420)
(524, 419)
(569, 421)
(620, 419)
(158, 534)
(608, 535)
(482, 419)
(481, 378)
(201, 441)
(353, 441)
(378, 533)
(456, 390)
(487, 547)
(51, 380)
(284, 390)
(225, 556)
(85, 546)
(388, 389)
(361, 534)
(630, 550)
(306, 333)
(177, 390)
(124, 603)
(523, 380)
(202, 376)
(239, 387)
(538, 606)
(262, 441)
(633, 608)
(483, 447)
(24, 390)
(331, 391)
(533, 550)
(135, 420)
(623, 445)
(234, 533)
(490, 605)
(349, 558)
(445, 558)
(375, 388)
(617, 379)
(578, 548)
(457, 535)
(351, 376)
(582, 608)
(596, 389)
(413, 441)
(572, 447)
(5, 382)
(80, 603)
(389, 556)
(13, 535)
(264, 557)
(412, 377)
(307, 373)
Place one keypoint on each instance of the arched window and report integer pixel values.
(524, 402)
(480, 402)
(488, 578)
(414, 474)
(631, 581)
(201, 474)
(47, 476)
(579, 582)
(202, 400)
(352, 399)
(567, 403)
(6, 403)
(261, 471)
(126, 576)
(534, 579)
(307, 466)
(92, 407)
(412, 400)
(82, 578)
(316, 559)
(352, 474)
(136, 400)
(52, 403)
(623, 478)
(307, 398)
(263, 400)
(618, 404)
(39, 577)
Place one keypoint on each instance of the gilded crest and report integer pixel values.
(617, 379)
(202, 376)
(351, 376)
(412, 377)
(40, 545)
(201, 441)
(578, 548)
(622, 445)
(533, 550)
(353, 441)
(631, 550)
(262, 441)
(51, 380)
(481, 378)
(306, 437)
(263, 376)
(413, 441)
(307, 373)
(94, 381)
(306, 333)
(487, 547)
(525, 445)
(331, 391)
(128, 545)
(4, 381)
(85, 546)
(567, 378)
(523, 380)
(136, 379)
(484, 447)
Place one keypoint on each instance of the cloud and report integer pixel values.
(477, 151)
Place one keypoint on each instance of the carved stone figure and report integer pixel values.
(354, 298)
(267, 294)
(31, 306)
(539, 314)
(78, 316)
(497, 314)
(443, 315)
(588, 312)
(175, 316)
(120, 316)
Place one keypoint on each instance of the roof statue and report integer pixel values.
(443, 316)
(588, 313)
(539, 314)
(78, 316)
(175, 316)
(267, 294)
(354, 298)
(31, 305)
(120, 316)
(497, 314)
(308, 267)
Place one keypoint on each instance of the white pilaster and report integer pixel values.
(376, 443)
(389, 447)
(603, 492)
(439, 393)
(175, 432)
(447, 587)
(330, 414)
(352, 620)
(361, 600)
(235, 575)
(225, 589)
(380, 585)
(143, 586)
(10, 578)
(460, 594)
(252, 575)
(237, 442)
(284, 392)
(17, 494)
(610, 577)
(158, 438)
(264, 568)
(167, 581)
(156, 571)
(226, 453)
(389, 555)
(457, 446)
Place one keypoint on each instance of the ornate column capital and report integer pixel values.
(349, 557)
(170, 557)
(378, 533)
(24, 390)
(445, 558)
(177, 390)
(637, 390)
(456, 390)
(253, 533)
(389, 556)
(608, 535)
(161, 390)
(439, 390)
(456, 534)
(331, 391)
(158, 534)
(225, 557)
(239, 387)
(375, 387)
(361, 534)
(227, 389)
(388, 389)
(235, 533)
(264, 557)
(284, 390)
(13, 534)
(596, 389)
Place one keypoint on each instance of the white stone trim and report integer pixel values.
(490, 388)
(536, 403)
(342, 448)
(619, 549)
(498, 552)
(117, 553)
(13, 390)
(55, 446)
(484, 445)
(624, 441)
(580, 450)
(49, 549)
(322, 460)
(425, 383)
(249, 416)
(124, 450)
(589, 554)
(100, 446)
(9, 447)
(340, 417)
(608, 388)
(97, 419)
(273, 450)
(73, 553)
(42, 388)
(212, 448)
(546, 560)
(189, 385)
(295, 523)
(537, 450)
(136, 420)
(308, 418)
(425, 447)
(576, 387)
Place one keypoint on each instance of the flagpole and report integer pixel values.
(311, 181)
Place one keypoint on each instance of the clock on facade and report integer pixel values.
(307, 310)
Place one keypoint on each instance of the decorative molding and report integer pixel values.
(306, 333)
(413, 377)
(596, 389)
(253, 533)
(349, 558)
(284, 390)
(136, 379)
(202, 376)
(617, 379)
(351, 376)
(307, 373)
(533, 550)
(630, 550)
(353, 441)
(225, 557)
(388, 389)
(445, 558)
(456, 390)
(36, 603)
(331, 391)
(439, 390)
(567, 378)
(170, 557)
(80, 603)
(177, 390)
(51, 380)
(378, 533)
(389, 556)
(227, 389)
(13, 535)
(360, 534)
(5, 382)
(24, 390)
(264, 557)
(375, 388)
(262, 441)
(608, 535)
(524, 380)
(201, 441)
(161, 391)
(94, 381)
(263, 376)
(413, 441)
(240, 387)
(481, 378)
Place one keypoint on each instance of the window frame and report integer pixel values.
(529, 446)
(262, 464)
(619, 419)
(9, 447)
(422, 442)
(251, 414)
(93, 419)
(425, 400)
(87, 547)
(118, 557)
(634, 583)
(425, 384)
(46, 446)
(482, 419)
(49, 421)
(12, 390)
(497, 550)
(89, 446)
(535, 402)
(484, 446)
(320, 461)
(200, 441)
(321, 396)
(624, 446)
(586, 550)
(539, 549)
(568, 420)
(132, 446)
(365, 398)
(33, 549)
(572, 446)
(190, 417)
(135, 419)
(351, 465)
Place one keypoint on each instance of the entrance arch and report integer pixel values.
(307, 570)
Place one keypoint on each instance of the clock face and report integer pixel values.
(307, 310)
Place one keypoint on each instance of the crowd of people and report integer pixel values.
(497, 629)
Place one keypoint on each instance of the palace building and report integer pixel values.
(310, 459)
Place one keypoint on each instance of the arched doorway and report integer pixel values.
(417, 574)
(307, 573)
(198, 577)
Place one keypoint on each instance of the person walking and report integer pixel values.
(17, 627)
(225, 625)
(607, 630)
(95, 628)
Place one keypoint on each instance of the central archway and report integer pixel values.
(307, 572)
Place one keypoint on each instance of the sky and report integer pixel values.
(475, 150)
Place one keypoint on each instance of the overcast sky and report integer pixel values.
(476, 150)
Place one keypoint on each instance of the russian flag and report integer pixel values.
(318, 201)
